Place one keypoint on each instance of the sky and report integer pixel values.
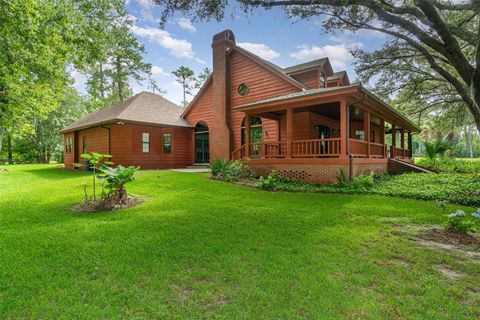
(269, 34)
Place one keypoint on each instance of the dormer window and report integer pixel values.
(322, 80)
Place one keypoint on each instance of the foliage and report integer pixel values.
(230, 170)
(450, 165)
(115, 180)
(459, 222)
(455, 188)
(433, 43)
(96, 161)
(341, 177)
(202, 77)
(273, 182)
(186, 78)
(435, 148)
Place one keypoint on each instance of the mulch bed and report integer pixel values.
(104, 205)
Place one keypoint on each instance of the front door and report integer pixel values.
(201, 148)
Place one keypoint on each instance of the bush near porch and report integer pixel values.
(457, 188)
(204, 249)
(450, 165)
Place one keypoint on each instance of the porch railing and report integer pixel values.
(401, 153)
(358, 148)
(378, 150)
(316, 148)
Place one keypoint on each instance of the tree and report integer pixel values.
(116, 57)
(202, 77)
(186, 77)
(443, 33)
(35, 38)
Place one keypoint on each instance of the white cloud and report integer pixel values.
(186, 24)
(339, 55)
(158, 71)
(79, 79)
(260, 49)
(180, 48)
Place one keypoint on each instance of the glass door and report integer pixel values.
(201, 148)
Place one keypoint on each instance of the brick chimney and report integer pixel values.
(221, 135)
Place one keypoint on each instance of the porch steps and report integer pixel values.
(399, 166)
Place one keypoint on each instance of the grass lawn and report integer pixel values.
(204, 249)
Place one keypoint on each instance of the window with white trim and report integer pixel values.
(146, 142)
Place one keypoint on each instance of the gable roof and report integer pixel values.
(339, 76)
(144, 107)
(271, 67)
(307, 65)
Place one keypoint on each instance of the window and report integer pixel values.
(322, 80)
(372, 136)
(243, 89)
(84, 144)
(146, 142)
(66, 144)
(167, 143)
(70, 145)
(360, 134)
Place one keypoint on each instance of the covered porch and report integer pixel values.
(325, 125)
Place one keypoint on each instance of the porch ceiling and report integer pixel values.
(354, 94)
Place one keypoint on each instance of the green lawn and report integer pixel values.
(204, 249)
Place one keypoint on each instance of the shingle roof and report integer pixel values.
(306, 65)
(337, 75)
(144, 107)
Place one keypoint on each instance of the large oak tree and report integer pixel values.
(445, 34)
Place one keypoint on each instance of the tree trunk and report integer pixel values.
(9, 147)
(469, 136)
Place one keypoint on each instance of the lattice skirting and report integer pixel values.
(317, 173)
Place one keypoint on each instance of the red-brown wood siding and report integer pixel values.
(202, 110)
(68, 156)
(310, 78)
(126, 146)
(262, 82)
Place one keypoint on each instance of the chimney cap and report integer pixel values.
(225, 35)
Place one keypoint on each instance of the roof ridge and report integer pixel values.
(307, 63)
(132, 99)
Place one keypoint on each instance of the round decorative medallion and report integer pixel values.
(243, 89)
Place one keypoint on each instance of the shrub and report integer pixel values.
(115, 180)
(272, 182)
(436, 148)
(450, 165)
(217, 167)
(459, 222)
(362, 182)
(230, 170)
(341, 178)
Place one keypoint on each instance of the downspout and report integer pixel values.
(350, 157)
(109, 142)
